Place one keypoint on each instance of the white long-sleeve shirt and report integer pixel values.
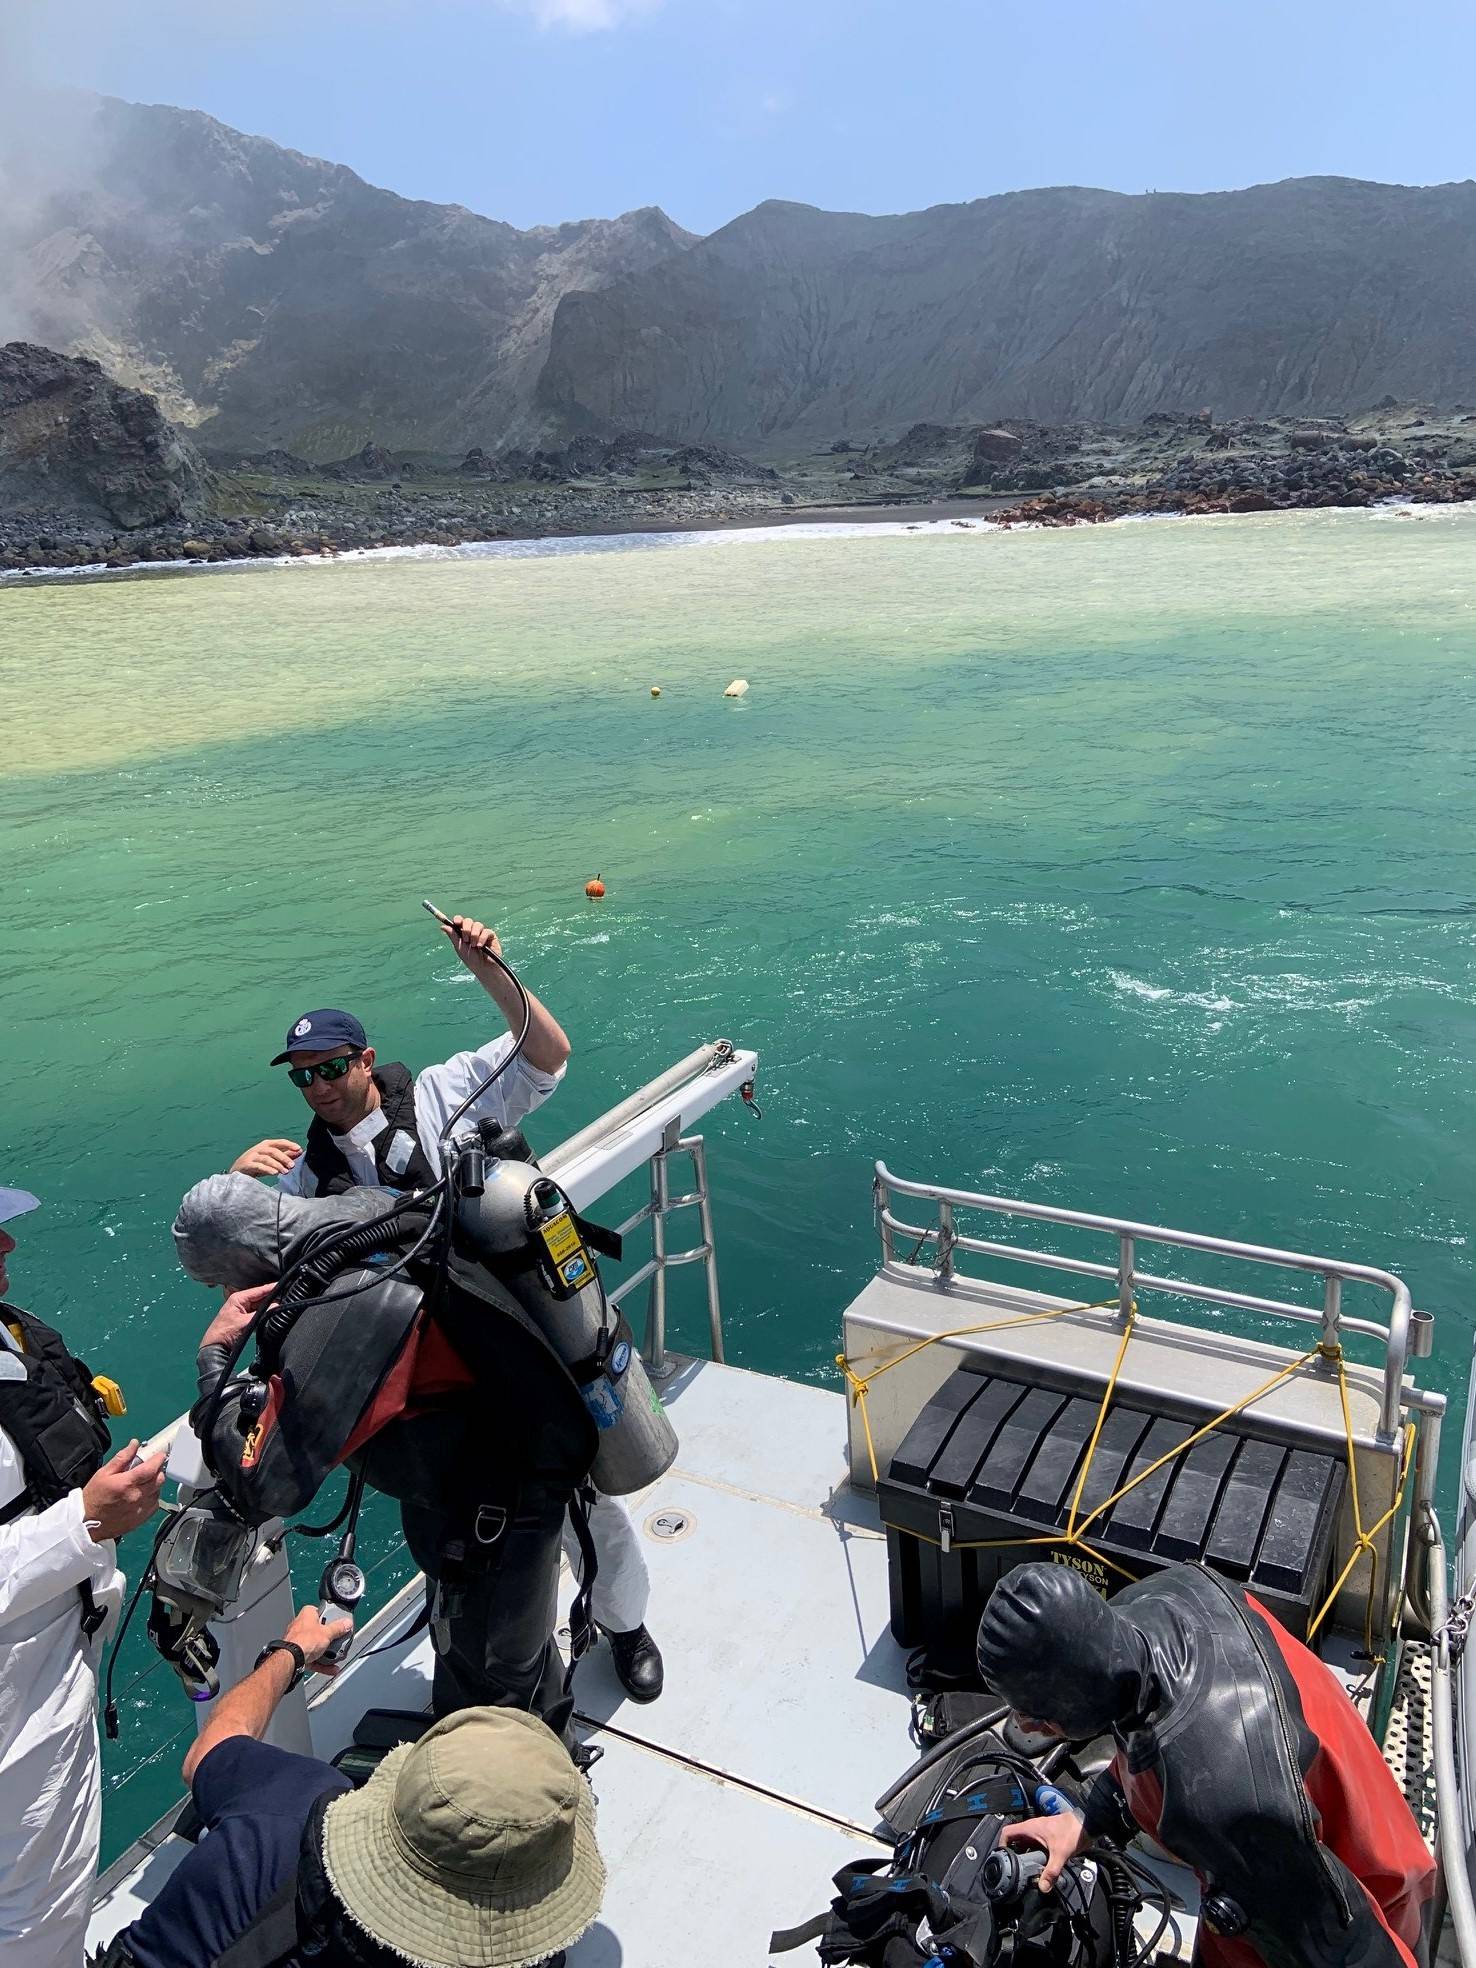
(439, 1091)
(50, 1787)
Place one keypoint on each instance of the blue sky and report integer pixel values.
(541, 110)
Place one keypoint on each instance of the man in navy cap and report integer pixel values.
(64, 1501)
(376, 1124)
(373, 1124)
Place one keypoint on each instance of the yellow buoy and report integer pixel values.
(655, 689)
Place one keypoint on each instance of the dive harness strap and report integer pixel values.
(873, 1906)
(271, 1936)
(581, 1615)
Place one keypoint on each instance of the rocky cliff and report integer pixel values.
(77, 447)
(273, 300)
(1317, 294)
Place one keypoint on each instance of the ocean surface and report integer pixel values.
(1130, 867)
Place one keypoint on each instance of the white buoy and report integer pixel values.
(737, 688)
(655, 689)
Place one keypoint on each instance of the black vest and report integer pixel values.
(56, 1419)
(328, 1164)
(52, 1414)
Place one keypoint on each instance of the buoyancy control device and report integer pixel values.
(951, 1896)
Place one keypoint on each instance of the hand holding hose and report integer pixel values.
(473, 942)
(543, 1041)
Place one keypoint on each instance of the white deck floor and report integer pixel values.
(725, 1807)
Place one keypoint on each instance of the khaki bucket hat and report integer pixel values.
(472, 1848)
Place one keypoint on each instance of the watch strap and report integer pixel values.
(285, 1647)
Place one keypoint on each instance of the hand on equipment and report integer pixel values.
(316, 1636)
(267, 1158)
(1062, 1837)
(123, 1494)
(236, 1314)
(471, 940)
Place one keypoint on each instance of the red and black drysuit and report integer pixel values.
(1236, 1749)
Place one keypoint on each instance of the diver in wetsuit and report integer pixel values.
(463, 1414)
(1237, 1750)
(375, 1124)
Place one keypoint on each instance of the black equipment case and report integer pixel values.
(992, 1457)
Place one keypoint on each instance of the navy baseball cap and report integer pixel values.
(315, 1031)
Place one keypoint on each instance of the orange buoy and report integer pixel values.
(595, 889)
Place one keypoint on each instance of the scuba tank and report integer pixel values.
(518, 1224)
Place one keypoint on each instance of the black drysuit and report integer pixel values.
(1236, 1749)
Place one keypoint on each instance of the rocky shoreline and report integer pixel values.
(155, 500)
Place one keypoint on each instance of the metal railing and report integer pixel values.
(655, 1212)
(1407, 1334)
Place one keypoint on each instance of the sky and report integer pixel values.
(536, 111)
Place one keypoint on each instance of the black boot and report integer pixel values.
(637, 1664)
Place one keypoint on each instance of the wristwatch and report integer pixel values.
(284, 1647)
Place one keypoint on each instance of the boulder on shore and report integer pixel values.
(74, 441)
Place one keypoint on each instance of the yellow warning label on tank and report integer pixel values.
(560, 1237)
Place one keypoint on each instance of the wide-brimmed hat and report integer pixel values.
(16, 1202)
(472, 1848)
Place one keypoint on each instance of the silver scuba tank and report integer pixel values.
(522, 1228)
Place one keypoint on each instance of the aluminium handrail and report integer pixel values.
(1449, 1824)
(1333, 1271)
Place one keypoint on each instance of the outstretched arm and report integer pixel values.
(548, 1046)
(248, 1708)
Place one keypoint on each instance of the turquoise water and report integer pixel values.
(1128, 867)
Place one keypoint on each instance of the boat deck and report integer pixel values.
(732, 1800)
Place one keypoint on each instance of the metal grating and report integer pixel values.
(1409, 1742)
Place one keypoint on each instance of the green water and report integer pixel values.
(1128, 867)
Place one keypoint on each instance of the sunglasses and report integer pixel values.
(325, 1070)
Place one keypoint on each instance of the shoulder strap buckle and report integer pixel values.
(93, 1615)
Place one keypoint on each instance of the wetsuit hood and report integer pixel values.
(233, 1231)
(1057, 1652)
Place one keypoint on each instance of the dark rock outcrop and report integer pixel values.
(708, 464)
(373, 465)
(275, 300)
(73, 441)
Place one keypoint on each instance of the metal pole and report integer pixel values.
(697, 1149)
(879, 1201)
(656, 1364)
(695, 1064)
(944, 1264)
(1124, 1278)
(1447, 1790)
(1332, 1309)
(1422, 1513)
